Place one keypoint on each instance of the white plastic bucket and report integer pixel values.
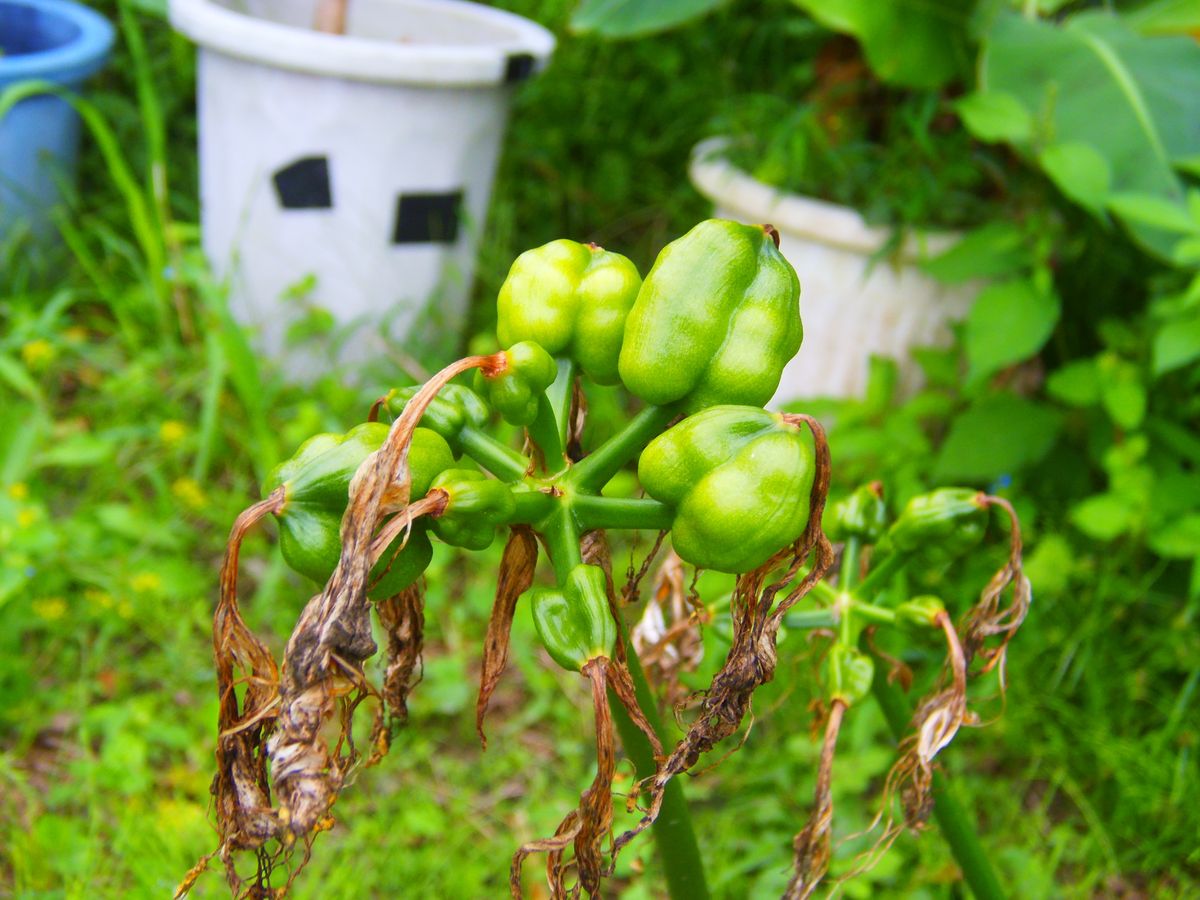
(853, 303)
(358, 166)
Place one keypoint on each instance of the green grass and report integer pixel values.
(138, 423)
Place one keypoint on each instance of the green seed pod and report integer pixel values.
(862, 515)
(572, 299)
(574, 621)
(316, 481)
(716, 320)
(515, 390)
(922, 610)
(453, 409)
(941, 525)
(739, 479)
(476, 506)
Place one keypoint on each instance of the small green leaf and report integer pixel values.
(1178, 539)
(1176, 344)
(1075, 384)
(1080, 172)
(1009, 322)
(1146, 209)
(995, 116)
(637, 18)
(994, 251)
(1102, 517)
(999, 435)
(1122, 391)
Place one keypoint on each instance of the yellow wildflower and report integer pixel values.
(172, 432)
(50, 608)
(145, 582)
(37, 353)
(189, 492)
(18, 490)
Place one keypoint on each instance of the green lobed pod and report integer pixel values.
(739, 479)
(941, 525)
(515, 390)
(454, 408)
(574, 621)
(715, 321)
(861, 515)
(572, 299)
(475, 507)
(317, 484)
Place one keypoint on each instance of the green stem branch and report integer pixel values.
(887, 569)
(499, 459)
(593, 511)
(674, 837)
(596, 469)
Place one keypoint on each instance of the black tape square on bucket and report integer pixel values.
(304, 184)
(518, 67)
(427, 218)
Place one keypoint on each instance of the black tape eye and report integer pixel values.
(518, 67)
(304, 184)
(427, 218)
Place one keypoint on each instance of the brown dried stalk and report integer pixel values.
(280, 720)
(668, 638)
(812, 844)
(516, 575)
(756, 621)
(589, 825)
(987, 618)
(241, 789)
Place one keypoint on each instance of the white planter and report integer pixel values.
(853, 302)
(360, 162)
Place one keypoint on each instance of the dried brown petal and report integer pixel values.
(812, 844)
(516, 575)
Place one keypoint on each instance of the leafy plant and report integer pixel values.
(740, 491)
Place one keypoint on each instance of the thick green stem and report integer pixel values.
(501, 460)
(848, 571)
(533, 505)
(596, 469)
(594, 511)
(887, 569)
(562, 537)
(811, 618)
(544, 432)
(678, 851)
(956, 826)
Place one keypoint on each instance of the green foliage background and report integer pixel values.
(138, 423)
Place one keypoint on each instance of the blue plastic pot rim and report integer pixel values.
(70, 63)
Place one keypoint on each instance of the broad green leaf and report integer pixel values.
(1176, 344)
(1080, 172)
(910, 43)
(1075, 384)
(1103, 517)
(1009, 322)
(993, 251)
(1122, 391)
(995, 116)
(1178, 539)
(1166, 17)
(1051, 565)
(1147, 209)
(637, 18)
(998, 435)
(1095, 81)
